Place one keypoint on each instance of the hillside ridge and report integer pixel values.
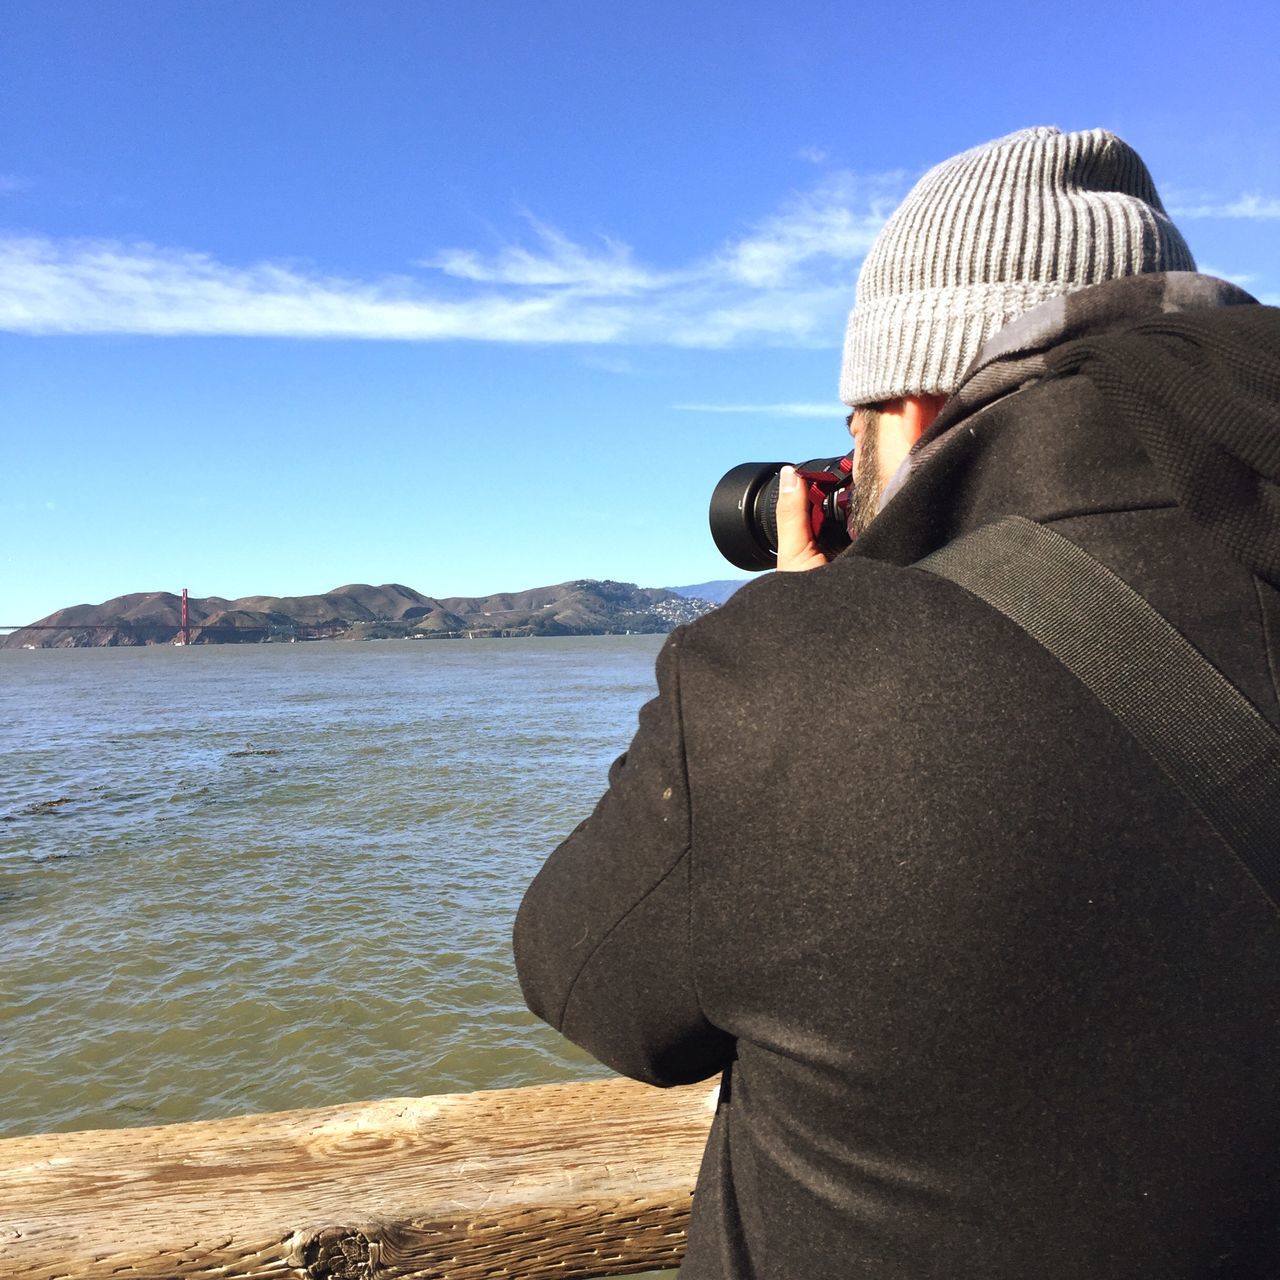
(360, 611)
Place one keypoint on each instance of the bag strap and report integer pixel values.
(1197, 725)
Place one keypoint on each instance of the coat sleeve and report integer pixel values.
(602, 938)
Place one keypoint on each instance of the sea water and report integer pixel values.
(249, 878)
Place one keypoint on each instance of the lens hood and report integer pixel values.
(740, 527)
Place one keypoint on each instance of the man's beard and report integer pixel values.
(865, 501)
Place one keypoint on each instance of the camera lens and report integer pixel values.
(744, 514)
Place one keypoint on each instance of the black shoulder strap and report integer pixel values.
(1199, 728)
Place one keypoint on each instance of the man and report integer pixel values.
(991, 997)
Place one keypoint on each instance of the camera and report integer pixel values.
(744, 509)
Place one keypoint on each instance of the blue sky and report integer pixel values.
(477, 295)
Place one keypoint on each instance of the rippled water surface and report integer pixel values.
(249, 878)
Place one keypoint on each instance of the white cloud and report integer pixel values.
(771, 410)
(1243, 279)
(558, 261)
(10, 183)
(1235, 277)
(812, 155)
(786, 281)
(70, 287)
(1246, 206)
(610, 362)
(839, 219)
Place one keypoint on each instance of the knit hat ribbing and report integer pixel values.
(990, 234)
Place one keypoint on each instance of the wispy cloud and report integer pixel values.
(78, 287)
(608, 269)
(787, 280)
(812, 155)
(838, 219)
(11, 183)
(770, 410)
(1243, 279)
(610, 362)
(1246, 206)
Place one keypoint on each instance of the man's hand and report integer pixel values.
(796, 548)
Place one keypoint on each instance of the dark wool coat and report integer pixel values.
(990, 997)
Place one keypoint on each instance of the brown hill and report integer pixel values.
(359, 611)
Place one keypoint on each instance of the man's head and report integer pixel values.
(884, 435)
(980, 239)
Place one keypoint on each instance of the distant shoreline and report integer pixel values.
(362, 612)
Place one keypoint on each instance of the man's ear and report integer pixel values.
(918, 413)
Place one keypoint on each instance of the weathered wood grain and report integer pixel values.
(577, 1180)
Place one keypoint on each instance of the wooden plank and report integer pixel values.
(576, 1180)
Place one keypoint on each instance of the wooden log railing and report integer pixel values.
(576, 1180)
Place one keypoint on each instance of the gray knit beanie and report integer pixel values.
(990, 234)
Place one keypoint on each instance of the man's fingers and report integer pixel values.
(796, 549)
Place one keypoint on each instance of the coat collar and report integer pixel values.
(984, 457)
